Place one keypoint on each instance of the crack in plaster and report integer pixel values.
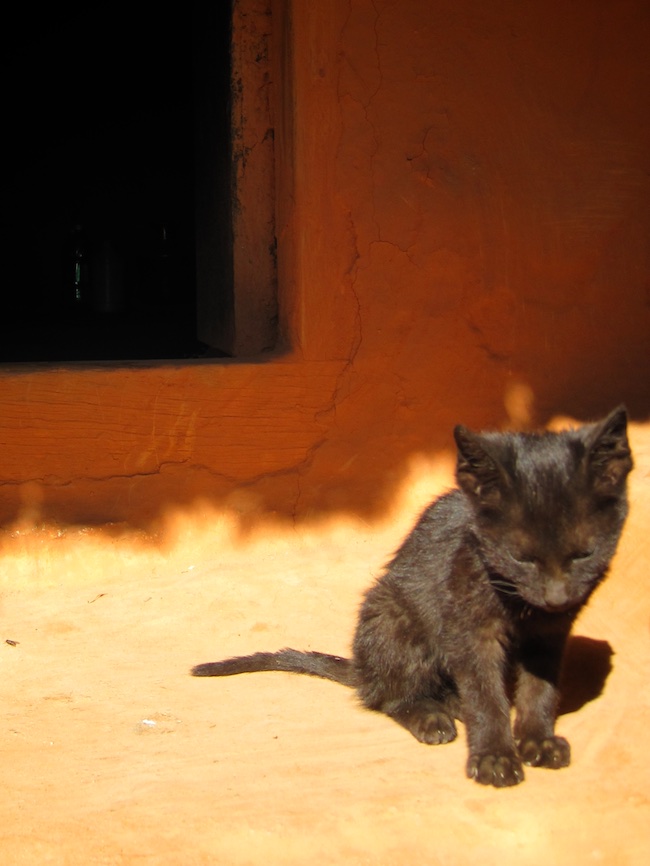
(53, 481)
(366, 106)
(372, 126)
(340, 392)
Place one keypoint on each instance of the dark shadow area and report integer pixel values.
(101, 139)
(587, 664)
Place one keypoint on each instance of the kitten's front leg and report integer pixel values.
(536, 699)
(538, 744)
(493, 757)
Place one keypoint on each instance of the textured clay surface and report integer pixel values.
(113, 754)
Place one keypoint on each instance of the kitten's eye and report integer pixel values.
(526, 558)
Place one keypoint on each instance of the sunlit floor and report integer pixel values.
(113, 754)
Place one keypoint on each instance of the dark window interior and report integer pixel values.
(101, 178)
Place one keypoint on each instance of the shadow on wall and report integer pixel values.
(305, 467)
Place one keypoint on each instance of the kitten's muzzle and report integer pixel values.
(556, 596)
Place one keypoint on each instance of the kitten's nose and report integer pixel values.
(555, 594)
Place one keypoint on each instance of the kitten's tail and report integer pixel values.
(315, 664)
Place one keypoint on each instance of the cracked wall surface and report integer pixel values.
(462, 229)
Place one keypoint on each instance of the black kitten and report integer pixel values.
(478, 602)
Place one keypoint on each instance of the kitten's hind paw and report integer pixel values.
(502, 771)
(427, 720)
(551, 752)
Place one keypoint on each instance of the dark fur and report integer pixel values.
(475, 608)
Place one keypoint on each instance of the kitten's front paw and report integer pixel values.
(502, 771)
(552, 752)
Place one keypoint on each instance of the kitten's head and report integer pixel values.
(549, 507)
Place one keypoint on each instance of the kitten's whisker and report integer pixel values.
(504, 586)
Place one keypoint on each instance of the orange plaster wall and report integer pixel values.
(463, 235)
(476, 196)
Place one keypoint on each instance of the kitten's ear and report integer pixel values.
(609, 458)
(478, 474)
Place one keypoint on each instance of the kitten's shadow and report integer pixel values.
(587, 664)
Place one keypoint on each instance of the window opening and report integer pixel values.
(102, 183)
